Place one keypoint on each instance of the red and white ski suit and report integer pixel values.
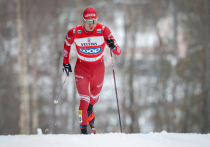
(89, 68)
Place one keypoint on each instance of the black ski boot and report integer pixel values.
(91, 118)
(83, 129)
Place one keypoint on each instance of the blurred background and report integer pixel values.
(163, 73)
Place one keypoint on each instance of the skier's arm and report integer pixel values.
(67, 47)
(111, 42)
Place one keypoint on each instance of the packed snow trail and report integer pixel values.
(162, 139)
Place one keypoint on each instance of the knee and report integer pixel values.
(83, 105)
(94, 98)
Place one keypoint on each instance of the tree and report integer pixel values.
(24, 122)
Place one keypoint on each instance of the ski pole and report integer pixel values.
(116, 91)
(56, 101)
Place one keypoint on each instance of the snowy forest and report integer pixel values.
(162, 74)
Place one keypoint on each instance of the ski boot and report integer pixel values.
(91, 118)
(83, 129)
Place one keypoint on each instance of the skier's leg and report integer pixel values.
(82, 84)
(84, 103)
(96, 84)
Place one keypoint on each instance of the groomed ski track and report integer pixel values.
(162, 139)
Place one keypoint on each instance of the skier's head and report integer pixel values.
(89, 18)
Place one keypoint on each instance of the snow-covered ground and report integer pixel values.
(162, 139)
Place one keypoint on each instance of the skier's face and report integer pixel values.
(90, 24)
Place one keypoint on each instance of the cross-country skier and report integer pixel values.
(90, 39)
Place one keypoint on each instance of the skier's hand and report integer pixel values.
(67, 68)
(111, 44)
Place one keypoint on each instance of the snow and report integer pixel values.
(162, 139)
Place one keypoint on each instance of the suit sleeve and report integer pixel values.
(108, 35)
(67, 45)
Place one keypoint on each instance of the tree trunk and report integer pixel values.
(24, 122)
(175, 54)
(35, 112)
(124, 70)
(134, 126)
(205, 128)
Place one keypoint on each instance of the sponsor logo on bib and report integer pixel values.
(89, 44)
(90, 50)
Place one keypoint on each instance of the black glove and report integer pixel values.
(111, 43)
(67, 68)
